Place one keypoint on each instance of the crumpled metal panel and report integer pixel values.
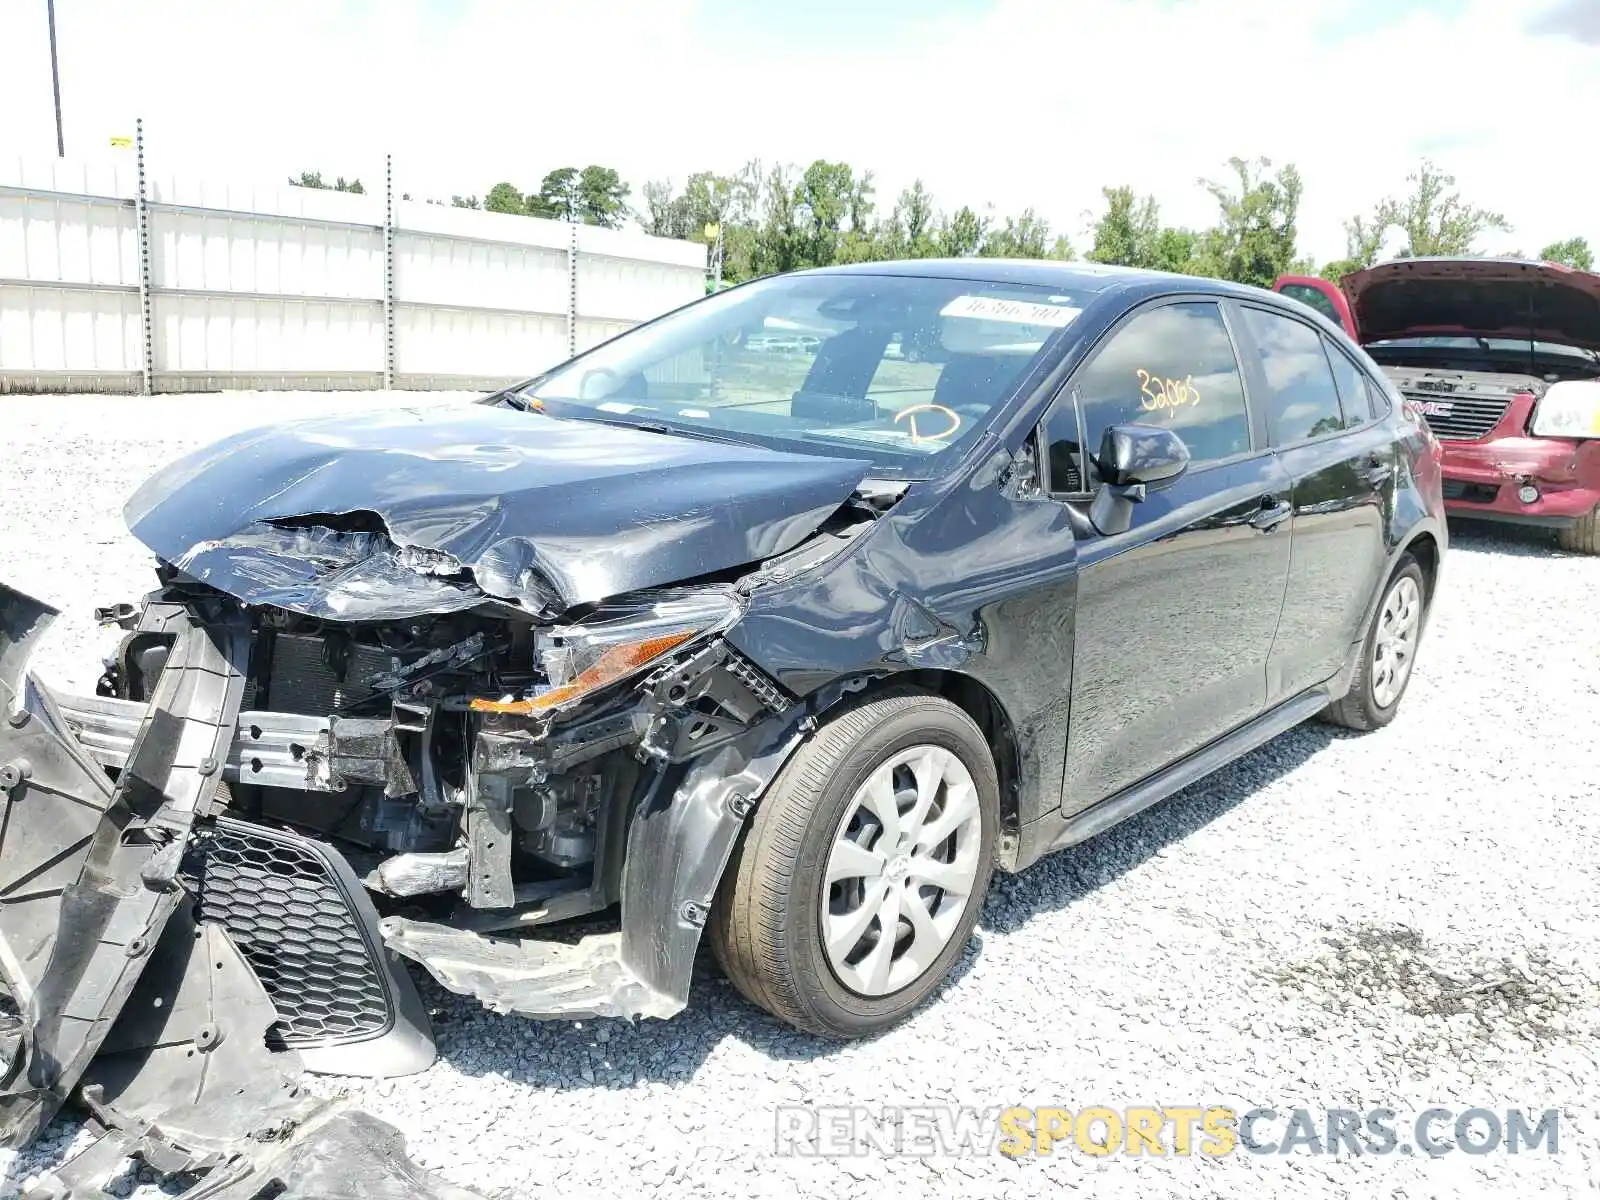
(526, 503)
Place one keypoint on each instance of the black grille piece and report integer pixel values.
(1475, 493)
(294, 921)
(1460, 416)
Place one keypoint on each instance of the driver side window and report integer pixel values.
(1172, 366)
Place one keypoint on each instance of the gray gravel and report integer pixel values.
(1402, 919)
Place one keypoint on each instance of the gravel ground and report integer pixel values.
(1401, 920)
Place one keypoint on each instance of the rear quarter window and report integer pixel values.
(1353, 386)
(1302, 399)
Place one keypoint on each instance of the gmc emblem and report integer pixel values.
(1435, 408)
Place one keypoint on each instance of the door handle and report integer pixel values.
(1375, 470)
(1271, 515)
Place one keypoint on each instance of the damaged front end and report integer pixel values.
(410, 687)
(115, 984)
(481, 770)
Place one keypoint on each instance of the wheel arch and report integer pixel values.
(1424, 547)
(980, 703)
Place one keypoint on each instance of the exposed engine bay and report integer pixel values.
(341, 735)
(442, 754)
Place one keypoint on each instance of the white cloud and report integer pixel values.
(1028, 102)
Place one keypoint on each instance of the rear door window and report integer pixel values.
(1351, 381)
(1302, 397)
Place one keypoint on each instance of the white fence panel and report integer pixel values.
(262, 286)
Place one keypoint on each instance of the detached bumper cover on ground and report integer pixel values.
(112, 989)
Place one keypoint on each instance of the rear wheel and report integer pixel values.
(1582, 536)
(861, 877)
(1388, 653)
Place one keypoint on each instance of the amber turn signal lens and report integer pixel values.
(616, 663)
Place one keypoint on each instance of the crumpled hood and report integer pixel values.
(1476, 297)
(570, 512)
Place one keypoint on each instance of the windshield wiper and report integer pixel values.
(577, 413)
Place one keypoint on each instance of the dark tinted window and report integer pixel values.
(1313, 298)
(1352, 383)
(1174, 367)
(1061, 447)
(1302, 400)
(1378, 399)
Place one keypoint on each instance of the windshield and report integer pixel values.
(893, 369)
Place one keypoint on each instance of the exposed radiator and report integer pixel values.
(305, 676)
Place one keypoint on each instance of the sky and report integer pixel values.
(1009, 103)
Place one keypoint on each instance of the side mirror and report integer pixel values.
(1133, 460)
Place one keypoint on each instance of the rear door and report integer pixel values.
(1342, 468)
(1175, 617)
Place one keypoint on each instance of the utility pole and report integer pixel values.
(55, 77)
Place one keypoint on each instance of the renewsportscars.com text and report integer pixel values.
(934, 1131)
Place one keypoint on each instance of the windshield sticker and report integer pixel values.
(1165, 395)
(1013, 312)
(616, 406)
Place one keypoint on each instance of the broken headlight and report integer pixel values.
(582, 658)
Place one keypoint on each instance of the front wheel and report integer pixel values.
(1388, 653)
(1582, 536)
(856, 887)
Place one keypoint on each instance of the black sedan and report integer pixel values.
(785, 618)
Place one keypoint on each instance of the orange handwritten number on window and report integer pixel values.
(1158, 395)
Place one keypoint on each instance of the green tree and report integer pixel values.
(1254, 239)
(914, 224)
(827, 195)
(602, 198)
(313, 179)
(1175, 250)
(1025, 236)
(505, 198)
(1126, 233)
(595, 196)
(1363, 240)
(558, 197)
(464, 202)
(1130, 234)
(780, 242)
(1436, 221)
(666, 214)
(1574, 252)
(960, 235)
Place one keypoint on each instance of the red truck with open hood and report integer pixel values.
(1502, 358)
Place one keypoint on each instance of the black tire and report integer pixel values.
(1582, 536)
(1360, 709)
(765, 927)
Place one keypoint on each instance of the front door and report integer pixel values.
(1174, 617)
(1342, 466)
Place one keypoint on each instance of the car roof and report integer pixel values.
(1082, 277)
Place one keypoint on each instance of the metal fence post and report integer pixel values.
(572, 287)
(141, 220)
(388, 272)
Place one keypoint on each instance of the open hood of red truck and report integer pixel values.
(1476, 297)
